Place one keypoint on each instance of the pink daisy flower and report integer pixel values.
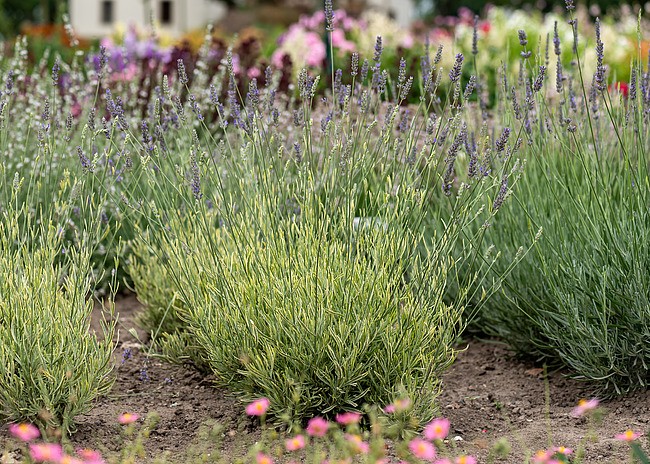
(127, 418)
(347, 418)
(45, 452)
(317, 427)
(584, 406)
(628, 435)
(258, 407)
(24, 432)
(437, 429)
(295, 443)
(422, 449)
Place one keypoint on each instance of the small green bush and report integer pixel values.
(53, 367)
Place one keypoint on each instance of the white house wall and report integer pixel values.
(85, 15)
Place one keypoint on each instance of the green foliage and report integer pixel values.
(582, 297)
(53, 366)
(310, 265)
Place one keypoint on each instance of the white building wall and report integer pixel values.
(85, 15)
(403, 11)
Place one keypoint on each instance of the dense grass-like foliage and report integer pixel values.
(583, 296)
(311, 258)
(52, 366)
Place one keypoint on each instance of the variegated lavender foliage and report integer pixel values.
(124, 139)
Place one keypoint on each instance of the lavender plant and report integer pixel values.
(581, 298)
(311, 241)
(53, 367)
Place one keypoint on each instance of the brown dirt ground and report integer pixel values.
(488, 394)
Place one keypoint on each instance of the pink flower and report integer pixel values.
(65, 459)
(584, 406)
(258, 407)
(437, 429)
(542, 457)
(347, 418)
(398, 406)
(127, 418)
(465, 460)
(24, 432)
(341, 43)
(317, 427)
(563, 450)
(262, 458)
(295, 443)
(90, 456)
(46, 452)
(422, 449)
(357, 444)
(628, 435)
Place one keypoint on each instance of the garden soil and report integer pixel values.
(488, 394)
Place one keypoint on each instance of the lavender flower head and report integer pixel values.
(354, 65)
(475, 36)
(454, 74)
(182, 74)
(556, 40)
(329, 16)
(569, 5)
(523, 39)
(379, 48)
(537, 85)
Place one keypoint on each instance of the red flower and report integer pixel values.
(620, 87)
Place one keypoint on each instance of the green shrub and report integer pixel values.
(53, 367)
(582, 297)
(311, 261)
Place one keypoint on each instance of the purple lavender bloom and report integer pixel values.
(556, 40)
(454, 74)
(475, 36)
(539, 80)
(523, 39)
(329, 16)
(502, 141)
(503, 190)
(379, 48)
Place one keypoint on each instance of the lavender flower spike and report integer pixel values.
(454, 74)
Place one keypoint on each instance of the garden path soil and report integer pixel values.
(488, 394)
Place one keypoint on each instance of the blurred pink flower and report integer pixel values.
(90, 456)
(258, 407)
(465, 460)
(563, 450)
(347, 418)
(45, 452)
(66, 459)
(317, 427)
(437, 429)
(542, 457)
(357, 444)
(24, 432)
(295, 443)
(262, 458)
(127, 418)
(628, 435)
(398, 405)
(585, 406)
(422, 449)
(339, 42)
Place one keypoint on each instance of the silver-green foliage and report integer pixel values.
(53, 367)
(582, 297)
